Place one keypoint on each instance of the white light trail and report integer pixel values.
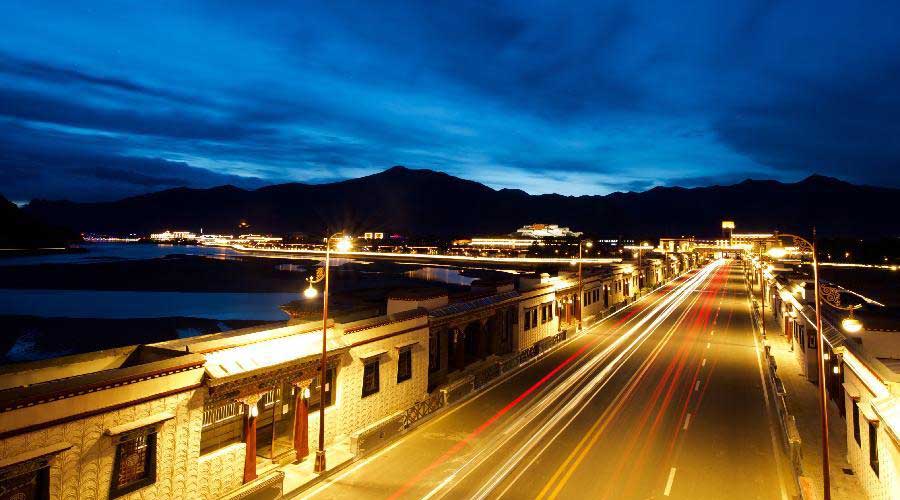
(641, 331)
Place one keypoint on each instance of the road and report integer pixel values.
(665, 399)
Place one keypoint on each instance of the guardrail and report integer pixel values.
(788, 424)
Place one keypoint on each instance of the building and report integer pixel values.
(170, 236)
(539, 231)
(862, 373)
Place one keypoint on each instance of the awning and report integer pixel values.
(53, 449)
(372, 354)
(140, 423)
(869, 414)
(851, 390)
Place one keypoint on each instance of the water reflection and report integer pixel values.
(449, 275)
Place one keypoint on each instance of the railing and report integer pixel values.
(423, 408)
(788, 424)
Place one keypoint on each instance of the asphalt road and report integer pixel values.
(666, 399)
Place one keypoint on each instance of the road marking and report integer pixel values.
(712, 332)
(707, 345)
(687, 421)
(669, 482)
(703, 363)
(696, 387)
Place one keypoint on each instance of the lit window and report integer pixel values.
(135, 461)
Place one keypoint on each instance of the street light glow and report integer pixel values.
(777, 252)
(344, 244)
(851, 325)
(311, 292)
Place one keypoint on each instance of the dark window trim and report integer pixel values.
(149, 434)
(856, 422)
(873, 447)
(404, 354)
(376, 361)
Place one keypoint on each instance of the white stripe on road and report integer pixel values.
(669, 482)
(707, 345)
(703, 363)
(687, 421)
(697, 386)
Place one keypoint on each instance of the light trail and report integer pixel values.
(565, 470)
(512, 404)
(623, 393)
(575, 405)
(670, 381)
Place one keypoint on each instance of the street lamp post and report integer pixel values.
(322, 275)
(580, 298)
(806, 245)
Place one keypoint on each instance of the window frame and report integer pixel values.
(405, 353)
(873, 447)
(856, 431)
(372, 362)
(149, 434)
(330, 375)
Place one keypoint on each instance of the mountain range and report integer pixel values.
(428, 203)
(19, 230)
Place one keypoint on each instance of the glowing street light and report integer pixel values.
(777, 252)
(851, 325)
(580, 298)
(343, 245)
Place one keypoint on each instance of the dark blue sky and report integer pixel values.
(112, 99)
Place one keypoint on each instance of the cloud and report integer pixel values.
(577, 98)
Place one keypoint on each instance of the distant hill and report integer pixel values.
(22, 230)
(428, 203)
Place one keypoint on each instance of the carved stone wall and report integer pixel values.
(221, 471)
(84, 471)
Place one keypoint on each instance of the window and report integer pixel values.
(26, 480)
(531, 318)
(856, 422)
(404, 365)
(543, 314)
(873, 447)
(315, 390)
(135, 462)
(370, 377)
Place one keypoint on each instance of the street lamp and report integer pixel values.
(640, 249)
(343, 245)
(831, 296)
(581, 244)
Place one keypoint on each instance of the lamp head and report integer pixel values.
(851, 325)
(777, 252)
(344, 244)
(311, 292)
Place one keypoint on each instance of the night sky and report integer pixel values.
(118, 98)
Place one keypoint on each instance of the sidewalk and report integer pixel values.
(802, 400)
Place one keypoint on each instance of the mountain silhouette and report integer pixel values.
(428, 203)
(19, 230)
